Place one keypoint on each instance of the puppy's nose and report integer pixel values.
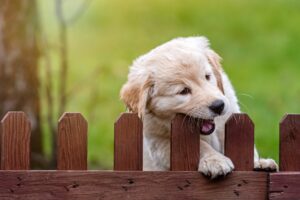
(217, 106)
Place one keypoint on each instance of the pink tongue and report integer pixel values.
(207, 127)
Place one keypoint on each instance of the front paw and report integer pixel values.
(215, 165)
(265, 165)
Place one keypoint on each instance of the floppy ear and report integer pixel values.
(215, 61)
(136, 94)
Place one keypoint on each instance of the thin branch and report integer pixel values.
(44, 50)
(75, 16)
(63, 38)
(49, 99)
(63, 56)
(79, 12)
(59, 11)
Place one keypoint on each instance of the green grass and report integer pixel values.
(258, 40)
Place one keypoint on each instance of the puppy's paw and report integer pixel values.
(215, 165)
(265, 165)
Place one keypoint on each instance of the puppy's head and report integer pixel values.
(181, 76)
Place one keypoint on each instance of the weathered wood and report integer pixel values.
(289, 151)
(15, 141)
(284, 186)
(130, 185)
(128, 145)
(239, 141)
(185, 143)
(72, 142)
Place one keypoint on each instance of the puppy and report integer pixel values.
(183, 75)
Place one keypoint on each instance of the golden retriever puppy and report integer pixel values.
(183, 76)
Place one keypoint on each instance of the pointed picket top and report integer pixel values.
(15, 141)
(72, 142)
(287, 118)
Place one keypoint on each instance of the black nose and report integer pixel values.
(217, 106)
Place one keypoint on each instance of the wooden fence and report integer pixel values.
(72, 180)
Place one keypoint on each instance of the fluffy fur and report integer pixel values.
(154, 90)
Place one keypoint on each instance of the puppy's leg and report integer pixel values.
(156, 154)
(213, 163)
(264, 164)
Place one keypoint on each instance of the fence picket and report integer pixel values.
(15, 141)
(185, 144)
(289, 153)
(128, 145)
(72, 142)
(239, 141)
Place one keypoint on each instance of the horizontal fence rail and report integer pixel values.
(129, 185)
(128, 181)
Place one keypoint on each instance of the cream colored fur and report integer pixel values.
(153, 91)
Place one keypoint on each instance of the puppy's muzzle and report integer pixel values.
(217, 107)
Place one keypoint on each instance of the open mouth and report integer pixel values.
(207, 126)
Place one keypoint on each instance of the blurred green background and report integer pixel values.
(258, 40)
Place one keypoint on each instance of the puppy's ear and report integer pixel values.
(215, 61)
(136, 94)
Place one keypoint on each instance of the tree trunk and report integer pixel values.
(19, 81)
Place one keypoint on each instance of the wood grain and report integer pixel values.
(185, 143)
(72, 142)
(289, 151)
(15, 141)
(128, 145)
(130, 185)
(239, 141)
(284, 186)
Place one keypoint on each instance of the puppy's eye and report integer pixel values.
(207, 77)
(185, 91)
